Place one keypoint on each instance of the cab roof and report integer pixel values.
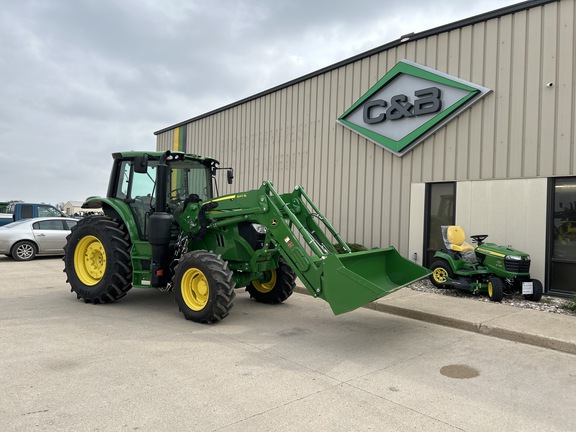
(155, 155)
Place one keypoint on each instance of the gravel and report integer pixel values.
(546, 304)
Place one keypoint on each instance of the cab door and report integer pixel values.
(138, 190)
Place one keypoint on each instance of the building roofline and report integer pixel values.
(497, 13)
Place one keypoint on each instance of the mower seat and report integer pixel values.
(456, 239)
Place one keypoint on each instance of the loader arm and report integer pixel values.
(346, 281)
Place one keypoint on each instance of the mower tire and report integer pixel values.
(495, 289)
(277, 286)
(97, 260)
(441, 273)
(203, 287)
(537, 291)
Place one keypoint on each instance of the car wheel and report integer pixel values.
(24, 251)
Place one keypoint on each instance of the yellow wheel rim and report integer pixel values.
(490, 289)
(440, 275)
(90, 260)
(195, 289)
(269, 284)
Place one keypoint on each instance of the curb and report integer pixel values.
(484, 328)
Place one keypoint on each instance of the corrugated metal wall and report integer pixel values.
(523, 129)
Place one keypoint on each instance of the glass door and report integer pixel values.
(562, 275)
(440, 210)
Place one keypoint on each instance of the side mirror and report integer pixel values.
(141, 164)
(230, 175)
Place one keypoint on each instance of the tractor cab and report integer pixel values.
(137, 181)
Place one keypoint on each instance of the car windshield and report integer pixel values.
(15, 224)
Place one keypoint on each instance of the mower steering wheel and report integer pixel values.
(479, 238)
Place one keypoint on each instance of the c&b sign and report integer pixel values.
(408, 104)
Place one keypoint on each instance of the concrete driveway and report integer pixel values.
(138, 365)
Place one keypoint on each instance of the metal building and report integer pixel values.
(470, 123)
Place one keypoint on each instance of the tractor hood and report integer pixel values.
(506, 252)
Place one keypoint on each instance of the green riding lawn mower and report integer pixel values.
(486, 268)
(165, 228)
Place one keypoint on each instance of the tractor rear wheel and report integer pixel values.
(495, 289)
(277, 285)
(97, 260)
(441, 273)
(203, 287)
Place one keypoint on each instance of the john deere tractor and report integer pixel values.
(164, 228)
(486, 268)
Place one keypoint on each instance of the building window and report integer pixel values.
(440, 210)
(563, 237)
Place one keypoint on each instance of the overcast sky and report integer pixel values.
(81, 79)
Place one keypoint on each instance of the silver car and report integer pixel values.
(24, 239)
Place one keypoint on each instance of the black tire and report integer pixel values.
(277, 287)
(24, 251)
(203, 287)
(97, 260)
(537, 291)
(441, 272)
(495, 289)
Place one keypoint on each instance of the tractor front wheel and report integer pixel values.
(441, 273)
(278, 284)
(495, 289)
(203, 287)
(97, 260)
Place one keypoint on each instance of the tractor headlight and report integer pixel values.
(513, 257)
(260, 229)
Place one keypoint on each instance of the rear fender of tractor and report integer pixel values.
(116, 209)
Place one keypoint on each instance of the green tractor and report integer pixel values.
(486, 268)
(164, 227)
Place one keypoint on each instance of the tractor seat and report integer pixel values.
(456, 239)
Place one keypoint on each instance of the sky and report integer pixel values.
(81, 79)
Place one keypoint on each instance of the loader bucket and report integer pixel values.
(355, 279)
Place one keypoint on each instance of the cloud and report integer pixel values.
(82, 79)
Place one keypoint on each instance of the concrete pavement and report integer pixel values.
(543, 329)
(138, 365)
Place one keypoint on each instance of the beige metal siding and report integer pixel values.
(512, 213)
(523, 129)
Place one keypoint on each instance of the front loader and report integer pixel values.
(165, 228)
